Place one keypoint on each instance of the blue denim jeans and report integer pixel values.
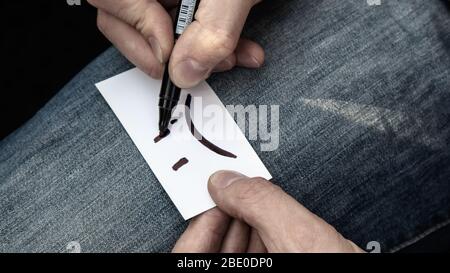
(364, 95)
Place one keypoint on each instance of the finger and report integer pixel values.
(237, 237)
(255, 200)
(148, 17)
(256, 244)
(283, 224)
(208, 40)
(169, 4)
(226, 64)
(204, 234)
(249, 54)
(131, 43)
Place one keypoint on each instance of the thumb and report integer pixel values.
(283, 224)
(209, 40)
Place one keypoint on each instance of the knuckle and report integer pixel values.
(137, 12)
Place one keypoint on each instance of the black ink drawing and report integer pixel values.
(182, 162)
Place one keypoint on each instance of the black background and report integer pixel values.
(43, 45)
(280, 262)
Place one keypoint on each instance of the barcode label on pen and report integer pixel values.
(186, 15)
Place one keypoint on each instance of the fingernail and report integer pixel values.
(157, 73)
(249, 61)
(223, 179)
(156, 48)
(255, 63)
(190, 72)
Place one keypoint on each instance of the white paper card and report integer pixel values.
(133, 96)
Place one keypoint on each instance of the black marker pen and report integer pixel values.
(170, 93)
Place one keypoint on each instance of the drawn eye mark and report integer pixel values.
(201, 138)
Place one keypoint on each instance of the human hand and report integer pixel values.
(143, 31)
(254, 215)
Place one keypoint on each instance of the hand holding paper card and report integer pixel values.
(185, 157)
